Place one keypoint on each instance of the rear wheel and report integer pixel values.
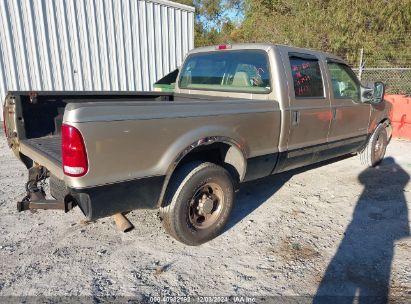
(198, 203)
(374, 151)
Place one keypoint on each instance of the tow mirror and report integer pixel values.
(379, 90)
(375, 95)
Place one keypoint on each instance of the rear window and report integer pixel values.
(235, 71)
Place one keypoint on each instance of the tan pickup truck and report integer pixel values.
(238, 113)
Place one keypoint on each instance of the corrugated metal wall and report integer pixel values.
(97, 45)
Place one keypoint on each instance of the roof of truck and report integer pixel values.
(265, 47)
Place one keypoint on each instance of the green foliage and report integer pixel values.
(342, 27)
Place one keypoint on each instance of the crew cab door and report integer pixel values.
(350, 117)
(309, 108)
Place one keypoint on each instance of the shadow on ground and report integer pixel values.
(360, 270)
(253, 194)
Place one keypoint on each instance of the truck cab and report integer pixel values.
(323, 104)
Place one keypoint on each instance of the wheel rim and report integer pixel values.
(206, 206)
(379, 147)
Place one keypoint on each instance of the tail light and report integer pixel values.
(74, 154)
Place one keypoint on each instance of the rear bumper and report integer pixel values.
(106, 200)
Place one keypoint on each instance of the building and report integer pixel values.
(92, 45)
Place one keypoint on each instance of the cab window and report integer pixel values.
(344, 82)
(234, 71)
(307, 77)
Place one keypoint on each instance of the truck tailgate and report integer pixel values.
(46, 151)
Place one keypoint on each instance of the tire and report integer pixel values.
(198, 203)
(374, 151)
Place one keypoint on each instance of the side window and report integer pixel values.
(344, 81)
(307, 77)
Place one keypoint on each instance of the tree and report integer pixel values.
(343, 27)
(213, 24)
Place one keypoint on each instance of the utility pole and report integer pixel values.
(361, 67)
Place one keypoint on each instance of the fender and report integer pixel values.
(235, 156)
(380, 113)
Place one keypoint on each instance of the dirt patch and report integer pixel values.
(296, 251)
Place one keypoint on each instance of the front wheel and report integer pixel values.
(198, 203)
(374, 151)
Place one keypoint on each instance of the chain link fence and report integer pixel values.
(397, 80)
(394, 72)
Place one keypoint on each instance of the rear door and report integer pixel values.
(309, 107)
(350, 117)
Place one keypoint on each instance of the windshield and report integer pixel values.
(236, 71)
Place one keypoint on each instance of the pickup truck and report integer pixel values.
(237, 113)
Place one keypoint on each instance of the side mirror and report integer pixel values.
(379, 91)
(375, 95)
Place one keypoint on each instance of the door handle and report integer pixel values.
(334, 113)
(296, 118)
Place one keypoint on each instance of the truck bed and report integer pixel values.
(39, 116)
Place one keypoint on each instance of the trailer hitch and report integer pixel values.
(30, 204)
(36, 196)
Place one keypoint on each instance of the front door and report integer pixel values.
(350, 117)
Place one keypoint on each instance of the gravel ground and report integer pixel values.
(330, 229)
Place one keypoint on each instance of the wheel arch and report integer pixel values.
(380, 114)
(220, 150)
